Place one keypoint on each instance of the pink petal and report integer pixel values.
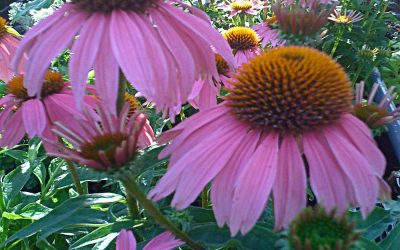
(329, 183)
(206, 97)
(49, 45)
(84, 52)
(290, 185)
(164, 241)
(32, 35)
(356, 168)
(125, 240)
(203, 161)
(14, 131)
(203, 30)
(254, 186)
(223, 185)
(130, 51)
(34, 117)
(356, 132)
(107, 72)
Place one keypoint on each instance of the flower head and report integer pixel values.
(348, 17)
(314, 229)
(128, 37)
(33, 115)
(287, 104)
(268, 33)
(302, 20)
(244, 43)
(8, 45)
(374, 114)
(242, 7)
(103, 140)
(165, 241)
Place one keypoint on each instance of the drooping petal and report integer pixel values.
(126, 240)
(33, 33)
(47, 47)
(34, 117)
(14, 131)
(203, 162)
(357, 133)
(254, 186)
(84, 52)
(107, 71)
(223, 185)
(290, 187)
(356, 167)
(164, 241)
(204, 31)
(204, 95)
(329, 183)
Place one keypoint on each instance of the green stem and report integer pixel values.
(121, 91)
(200, 2)
(204, 198)
(75, 177)
(370, 71)
(132, 207)
(242, 19)
(337, 40)
(358, 72)
(134, 190)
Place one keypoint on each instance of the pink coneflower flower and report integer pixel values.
(103, 140)
(205, 91)
(160, 48)
(34, 116)
(244, 43)
(8, 45)
(288, 103)
(165, 241)
(375, 114)
(242, 7)
(302, 20)
(268, 33)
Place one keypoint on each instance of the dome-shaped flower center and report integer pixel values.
(107, 143)
(344, 19)
(318, 230)
(241, 5)
(53, 83)
(222, 66)
(106, 6)
(241, 38)
(3, 28)
(134, 104)
(271, 20)
(290, 89)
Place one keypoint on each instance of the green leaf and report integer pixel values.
(392, 241)
(375, 224)
(97, 236)
(63, 213)
(212, 236)
(15, 180)
(364, 243)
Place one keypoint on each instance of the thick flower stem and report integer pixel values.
(135, 192)
(132, 207)
(75, 177)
